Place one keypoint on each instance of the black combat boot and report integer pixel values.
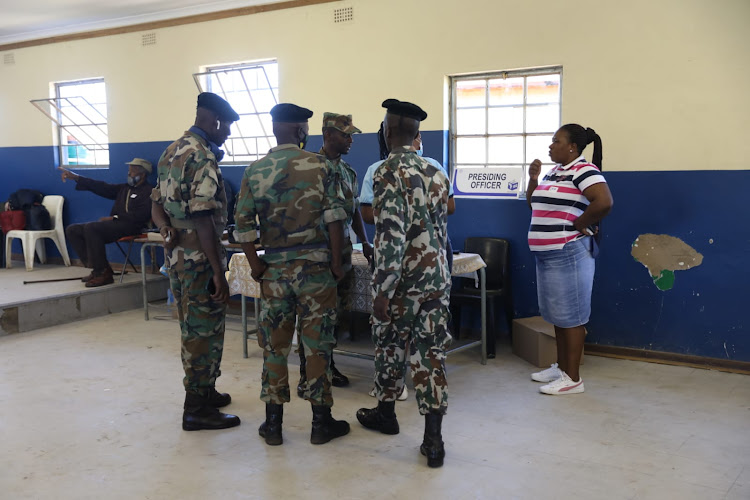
(325, 427)
(302, 384)
(200, 414)
(218, 399)
(338, 379)
(432, 445)
(271, 428)
(382, 418)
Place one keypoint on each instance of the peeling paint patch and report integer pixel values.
(663, 254)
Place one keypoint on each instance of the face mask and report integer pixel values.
(303, 142)
(132, 181)
(420, 151)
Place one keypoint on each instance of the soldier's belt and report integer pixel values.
(310, 246)
(181, 223)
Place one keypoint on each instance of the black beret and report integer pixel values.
(403, 108)
(290, 113)
(214, 103)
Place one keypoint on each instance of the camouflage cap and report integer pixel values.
(140, 162)
(342, 123)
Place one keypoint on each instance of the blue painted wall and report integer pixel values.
(702, 315)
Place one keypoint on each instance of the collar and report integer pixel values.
(322, 152)
(214, 148)
(403, 149)
(577, 160)
(284, 146)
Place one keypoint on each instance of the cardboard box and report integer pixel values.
(534, 341)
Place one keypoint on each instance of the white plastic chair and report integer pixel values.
(32, 240)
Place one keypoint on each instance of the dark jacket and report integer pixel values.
(132, 204)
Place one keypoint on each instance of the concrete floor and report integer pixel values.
(92, 409)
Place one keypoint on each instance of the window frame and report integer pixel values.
(53, 108)
(269, 138)
(453, 135)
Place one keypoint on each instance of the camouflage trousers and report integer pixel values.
(201, 323)
(426, 336)
(306, 292)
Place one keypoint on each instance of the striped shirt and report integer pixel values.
(558, 201)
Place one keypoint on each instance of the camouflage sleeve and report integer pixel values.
(389, 208)
(205, 184)
(246, 230)
(333, 199)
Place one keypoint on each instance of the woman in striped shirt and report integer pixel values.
(566, 207)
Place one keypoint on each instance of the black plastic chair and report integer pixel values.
(496, 254)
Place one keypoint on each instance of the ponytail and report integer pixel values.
(582, 137)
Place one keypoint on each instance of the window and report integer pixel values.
(252, 89)
(79, 110)
(505, 119)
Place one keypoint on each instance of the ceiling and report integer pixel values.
(33, 19)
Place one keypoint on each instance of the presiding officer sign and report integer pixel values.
(489, 182)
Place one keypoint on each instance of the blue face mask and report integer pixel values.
(132, 181)
(420, 151)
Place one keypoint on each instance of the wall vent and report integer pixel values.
(343, 15)
(148, 39)
(9, 58)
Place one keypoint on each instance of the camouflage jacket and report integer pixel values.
(189, 181)
(410, 205)
(289, 195)
(347, 180)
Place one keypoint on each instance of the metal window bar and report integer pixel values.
(241, 71)
(56, 103)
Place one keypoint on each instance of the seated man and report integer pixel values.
(129, 215)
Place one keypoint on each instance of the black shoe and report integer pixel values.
(432, 445)
(200, 414)
(382, 418)
(338, 379)
(325, 427)
(218, 399)
(270, 430)
(302, 385)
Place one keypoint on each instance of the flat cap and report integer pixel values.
(215, 103)
(140, 162)
(340, 122)
(403, 108)
(290, 113)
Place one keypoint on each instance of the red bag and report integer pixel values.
(12, 219)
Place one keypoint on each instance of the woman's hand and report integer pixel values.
(534, 170)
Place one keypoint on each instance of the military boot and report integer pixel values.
(325, 427)
(200, 414)
(432, 444)
(382, 418)
(270, 430)
(218, 399)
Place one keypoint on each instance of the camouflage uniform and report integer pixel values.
(293, 193)
(189, 181)
(411, 269)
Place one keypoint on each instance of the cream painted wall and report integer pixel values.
(663, 82)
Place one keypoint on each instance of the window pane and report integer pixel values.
(506, 91)
(506, 149)
(248, 126)
(506, 120)
(537, 147)
(470, 93)
(471, 150)
(264, 100)
(470, 121)
(542, 118)
(544, 88)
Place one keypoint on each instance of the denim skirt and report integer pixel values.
(564, 279)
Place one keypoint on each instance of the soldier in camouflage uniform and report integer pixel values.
(296, 198)
(411, 283)
(337, 140)
(190, 208)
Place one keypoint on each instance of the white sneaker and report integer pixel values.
(561, 386)
(404, 394)
(549, 375)
(401, 397)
